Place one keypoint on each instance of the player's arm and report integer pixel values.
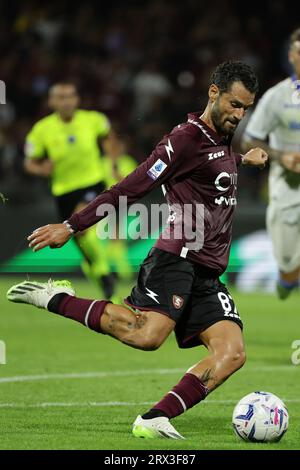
(38, 167)
(113, 148)
(165, 162)
(106, 135)
(289, 160)
(109, 143)
(255, 157)
(249, 143)
(36, 163)
(263, 121)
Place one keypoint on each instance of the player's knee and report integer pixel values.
(233, 357)
(236, 358)
(141, 342)
(150, 343)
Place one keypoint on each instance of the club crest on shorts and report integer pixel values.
(177, 301)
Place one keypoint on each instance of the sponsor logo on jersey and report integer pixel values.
(228, 179)
(228, 201)
(156, 170)
(177, 301)
(212, 156)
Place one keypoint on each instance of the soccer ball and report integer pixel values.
(260, 417)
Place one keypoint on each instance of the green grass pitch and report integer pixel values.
(64, 387)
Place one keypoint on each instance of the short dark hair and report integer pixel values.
(295, 36)
(234, 71)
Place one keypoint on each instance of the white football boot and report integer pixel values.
(155, 427)
(38, 293)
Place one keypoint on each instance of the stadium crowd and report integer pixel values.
(144, 64)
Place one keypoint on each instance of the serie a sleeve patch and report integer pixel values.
(157, 169)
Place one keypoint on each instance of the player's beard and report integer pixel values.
(219, 123)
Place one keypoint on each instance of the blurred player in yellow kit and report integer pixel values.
(65, 147)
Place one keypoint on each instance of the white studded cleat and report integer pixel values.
(155, 427)
(38, 293)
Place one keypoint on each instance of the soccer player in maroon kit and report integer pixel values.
(178, 286)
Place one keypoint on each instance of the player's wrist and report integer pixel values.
(69, 227)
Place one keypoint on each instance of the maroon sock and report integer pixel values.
(85, 311)
(187, 393)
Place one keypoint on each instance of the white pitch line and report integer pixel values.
(72, 404)
(112, 404)
(128, 373)
(89, 375)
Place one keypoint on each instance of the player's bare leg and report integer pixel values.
(224, 341)
(287, 282)
(142, 330)
(146, 331)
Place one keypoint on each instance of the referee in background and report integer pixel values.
(65, 147)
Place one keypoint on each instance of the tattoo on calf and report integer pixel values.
(208, 376)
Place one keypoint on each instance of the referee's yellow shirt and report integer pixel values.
(73, 148)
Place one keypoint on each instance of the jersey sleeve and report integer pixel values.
(264, 118)
(102, 124)
(169, 160)
(34, 146)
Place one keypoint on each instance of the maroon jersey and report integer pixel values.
(197, 169)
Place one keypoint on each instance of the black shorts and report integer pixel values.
(190, 294)
(66, 204)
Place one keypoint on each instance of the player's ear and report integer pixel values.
(213, 92)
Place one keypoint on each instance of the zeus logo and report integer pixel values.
(212, 156)
(152, 295)
(232, 177)
(169, 149)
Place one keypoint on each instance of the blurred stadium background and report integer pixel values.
(145, 65)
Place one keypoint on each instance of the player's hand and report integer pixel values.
(53, 235)
(46, 168)
(291, 161)
(256, 157)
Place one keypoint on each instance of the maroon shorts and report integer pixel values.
(190, 294)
